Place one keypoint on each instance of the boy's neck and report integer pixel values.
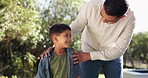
(59, 51)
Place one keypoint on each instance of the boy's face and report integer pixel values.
(64, 39)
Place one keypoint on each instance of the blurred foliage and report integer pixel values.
(24, 32)
(138, 49)
(20, 25)
(24, 26)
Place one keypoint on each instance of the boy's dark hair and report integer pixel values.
(57, 29)
(115, 7)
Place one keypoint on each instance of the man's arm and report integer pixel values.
(45, 53)
(80, 22)
(120, 45)
(112, 53)
(81, 57)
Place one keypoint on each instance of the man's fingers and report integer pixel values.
(75, 56)
(76, 62)
(75, 59)
(41, 57)
(46, 52)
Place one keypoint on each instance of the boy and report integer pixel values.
(59, 62)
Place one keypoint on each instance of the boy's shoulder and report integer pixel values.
(45, 58)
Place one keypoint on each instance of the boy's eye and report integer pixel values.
(66, 35)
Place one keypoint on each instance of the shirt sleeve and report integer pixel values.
(120, 45)
(80, 22)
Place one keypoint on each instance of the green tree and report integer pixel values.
(24, 32)
(138, 49)
(20, 26)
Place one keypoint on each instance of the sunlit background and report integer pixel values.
(24, 31)
(141, 12)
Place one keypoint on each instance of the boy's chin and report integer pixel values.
(67, 46)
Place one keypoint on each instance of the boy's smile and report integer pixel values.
(64, 39)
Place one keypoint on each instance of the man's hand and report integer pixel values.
(45, 53)
(80, 57)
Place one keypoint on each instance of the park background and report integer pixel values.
(24, 26)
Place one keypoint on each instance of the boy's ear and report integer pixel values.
(55, 38)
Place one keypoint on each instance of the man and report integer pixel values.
(107, 28)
